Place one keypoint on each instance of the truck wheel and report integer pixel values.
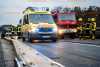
(72, 36)
(62, 37)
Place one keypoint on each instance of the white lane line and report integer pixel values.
(82, 44)
(89, 45)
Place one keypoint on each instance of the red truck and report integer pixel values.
(67, 23)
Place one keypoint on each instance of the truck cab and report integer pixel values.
(67, 23)
(38, 25)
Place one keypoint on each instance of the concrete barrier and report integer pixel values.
(30, 57)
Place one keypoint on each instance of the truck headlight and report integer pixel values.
(60, 32)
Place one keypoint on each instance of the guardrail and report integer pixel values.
(29, 57)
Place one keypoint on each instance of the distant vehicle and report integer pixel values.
(6, 30)
(38, 25)
(67, 23)
(18, 31)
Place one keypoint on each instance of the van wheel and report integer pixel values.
(23, 39)
(54, 40)
(2, 36)
(30, 40)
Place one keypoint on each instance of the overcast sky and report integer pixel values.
(10, 10)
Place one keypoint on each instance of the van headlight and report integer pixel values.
(35, 30)
(55, 29)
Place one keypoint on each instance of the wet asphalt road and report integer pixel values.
(70, 54)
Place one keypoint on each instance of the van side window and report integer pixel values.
(25, 19)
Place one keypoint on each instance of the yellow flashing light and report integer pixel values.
(36, 12)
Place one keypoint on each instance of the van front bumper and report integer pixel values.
(43, 36)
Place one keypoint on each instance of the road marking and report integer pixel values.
(81, 43)
(87, 44)
(90, 45)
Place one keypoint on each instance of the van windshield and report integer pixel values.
(38, 18)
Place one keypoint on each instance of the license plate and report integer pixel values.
(67, 30)
(45, 36)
